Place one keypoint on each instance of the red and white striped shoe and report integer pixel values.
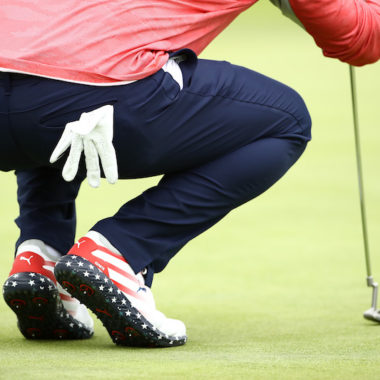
(106, 284)
(44, 310)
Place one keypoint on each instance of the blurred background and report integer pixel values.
(279, 284)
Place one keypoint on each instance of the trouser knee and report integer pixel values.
(302, 126)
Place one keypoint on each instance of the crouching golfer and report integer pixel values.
(121, 80)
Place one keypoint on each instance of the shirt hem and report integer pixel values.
(117, 83)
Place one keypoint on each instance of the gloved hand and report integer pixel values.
(93, 133)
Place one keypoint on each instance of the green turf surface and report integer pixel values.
(275, 290)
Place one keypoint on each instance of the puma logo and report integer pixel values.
(78, 243)
(26, 259)
(142, 289)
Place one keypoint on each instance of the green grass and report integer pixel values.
(275, 290)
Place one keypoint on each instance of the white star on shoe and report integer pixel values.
(31, 282)
(86, 274)
(32, 274)
(113, 299)
(97, 277)
(123, 301)
(14, 283)
(128, 313)
(101, 287)
(68, 264)
(80, 264)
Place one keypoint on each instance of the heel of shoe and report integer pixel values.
(35, 300)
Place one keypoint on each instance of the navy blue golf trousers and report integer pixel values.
(222, 140)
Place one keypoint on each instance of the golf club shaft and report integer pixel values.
(360, 174)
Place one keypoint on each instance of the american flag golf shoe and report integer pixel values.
(107, 285)
(44, 310)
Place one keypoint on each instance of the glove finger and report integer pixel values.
(107, 156)
(105, 122)
(92, 163)
(72, 163)
(63, 143)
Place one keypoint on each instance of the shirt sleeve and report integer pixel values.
(348, 30)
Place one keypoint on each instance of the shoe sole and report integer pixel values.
(41, 315)
(125, 325)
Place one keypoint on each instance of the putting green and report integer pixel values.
(275, 290)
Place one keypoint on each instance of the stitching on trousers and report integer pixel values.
(244, 101)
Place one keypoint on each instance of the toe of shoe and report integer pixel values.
(173, 327)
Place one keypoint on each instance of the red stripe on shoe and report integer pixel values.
(128, 291)
(107, 265)
(64, 297)
(85, 248)
(31, 262)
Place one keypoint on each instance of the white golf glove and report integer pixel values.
(93, 133)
